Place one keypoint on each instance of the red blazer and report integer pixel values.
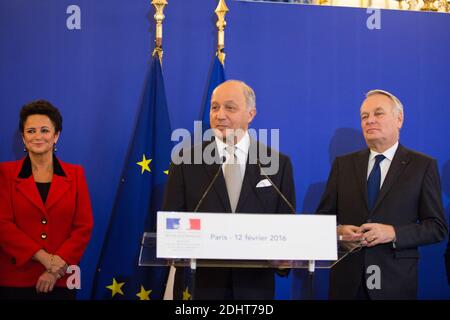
(62, 226)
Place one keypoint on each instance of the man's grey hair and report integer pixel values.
(249, 94)
(398, 106)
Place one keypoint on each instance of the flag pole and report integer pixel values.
(159, 17)
(221, 11)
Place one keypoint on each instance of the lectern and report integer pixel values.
(218, 240)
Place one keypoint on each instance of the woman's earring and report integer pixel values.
(55, 148)
(25, 149)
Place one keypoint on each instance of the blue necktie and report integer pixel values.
(373, 183)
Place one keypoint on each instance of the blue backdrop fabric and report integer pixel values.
(309, 66)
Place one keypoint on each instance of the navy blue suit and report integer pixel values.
(410, 200)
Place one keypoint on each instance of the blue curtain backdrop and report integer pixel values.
(310, 67)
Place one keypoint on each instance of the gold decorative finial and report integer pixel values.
(221, 11)
(159, 17)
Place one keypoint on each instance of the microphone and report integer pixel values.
(223, 158)
(276, 188)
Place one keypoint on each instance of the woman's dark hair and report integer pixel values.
(41, 107)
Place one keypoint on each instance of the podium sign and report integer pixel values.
(183, 235)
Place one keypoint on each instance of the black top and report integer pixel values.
(26, 170)
(44, 188)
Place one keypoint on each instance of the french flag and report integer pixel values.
(172, 224)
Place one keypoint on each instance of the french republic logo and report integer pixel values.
(183, 224)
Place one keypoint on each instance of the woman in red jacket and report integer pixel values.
(45, 212)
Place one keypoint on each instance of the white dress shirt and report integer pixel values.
(241, 151)
(385, 164)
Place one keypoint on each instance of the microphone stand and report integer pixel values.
(311, 263)
(276, 188)
(193, 262)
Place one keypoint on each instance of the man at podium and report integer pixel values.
(233, 183)
(387, 197)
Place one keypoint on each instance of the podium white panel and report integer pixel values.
(246, 236)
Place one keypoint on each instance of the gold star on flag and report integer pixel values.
(186, 294)
(166, 171)
(116, 287)
(144, 164)
(144, 294)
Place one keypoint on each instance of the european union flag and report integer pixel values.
(216, 77)
(138, 199)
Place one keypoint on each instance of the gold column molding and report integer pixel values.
(443, 6)
(428, 5)
(410, 5)
(221, 11)
(402, 4)
(159, 17)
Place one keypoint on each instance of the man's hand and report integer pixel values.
(349, 233)
(376, 233)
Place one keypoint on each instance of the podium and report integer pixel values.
(148, 258)
(168, 247)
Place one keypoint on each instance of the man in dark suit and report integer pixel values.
(237, 189)
(387, 197)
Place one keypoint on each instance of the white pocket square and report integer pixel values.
(263, 183)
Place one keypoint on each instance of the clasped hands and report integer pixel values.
(368, 234)
(55, 269)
